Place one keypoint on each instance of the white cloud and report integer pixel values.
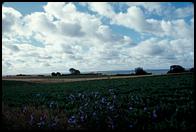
(10, 18)
(38, 22)
(13, 48)
(184, 12)
(54, 9)
(182, 46)
(152, 7)
(134, 19)
(102, 8)
(69, 29)
(70, 38)
(164, 9)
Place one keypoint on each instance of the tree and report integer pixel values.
(192, 69)
(53, 74)
(74, 71)
(140, 71)
(176, 69)
(58, 74)
(77, 72)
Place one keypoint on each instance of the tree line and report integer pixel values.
(71, 70)
(138, 71)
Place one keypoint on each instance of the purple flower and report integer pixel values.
(41, 124)
(56, 119)
(51, 104)
(130, 126)
(24, 109)
(31, 119)
(43, 117)
(103, 100)
(94, 114)
(111, 108)
(130, 108)
(72, 120)
(154, 116)
(110, 123)
(83, 116)
(54, 122)
(145, 109)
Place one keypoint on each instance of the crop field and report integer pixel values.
(145, 103)
(72, 78)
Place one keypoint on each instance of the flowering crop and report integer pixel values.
(124, 104)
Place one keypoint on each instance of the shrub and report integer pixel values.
(176, 69)
(191, 70)
(58, 74)
(74, 71)
(140, 71)
(53, 74)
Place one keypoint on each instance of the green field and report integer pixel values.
(157, 102)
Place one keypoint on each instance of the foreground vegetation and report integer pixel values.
(157, 102)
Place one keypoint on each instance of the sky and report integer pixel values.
(41, 37)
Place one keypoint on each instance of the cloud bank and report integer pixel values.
(63, 36)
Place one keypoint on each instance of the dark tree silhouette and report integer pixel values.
(176, 69)
(58, 74)
(74, 71)
(77, 72)
(192, 69)
(140, 71)
(53, 74)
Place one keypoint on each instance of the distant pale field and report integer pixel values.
(49, 79)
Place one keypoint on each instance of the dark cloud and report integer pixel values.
(75, 57)
(7, 25)
(67, 49)
(13, 48)
(46, 64)
(10, 17)
(7, 64)
(110, 55)
(45, 57)
(156, 50)
(19, 60)
(69, 29)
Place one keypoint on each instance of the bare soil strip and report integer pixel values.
(64, 80)
(59, 80)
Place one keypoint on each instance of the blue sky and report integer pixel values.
(26, 7)
(118, 35)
